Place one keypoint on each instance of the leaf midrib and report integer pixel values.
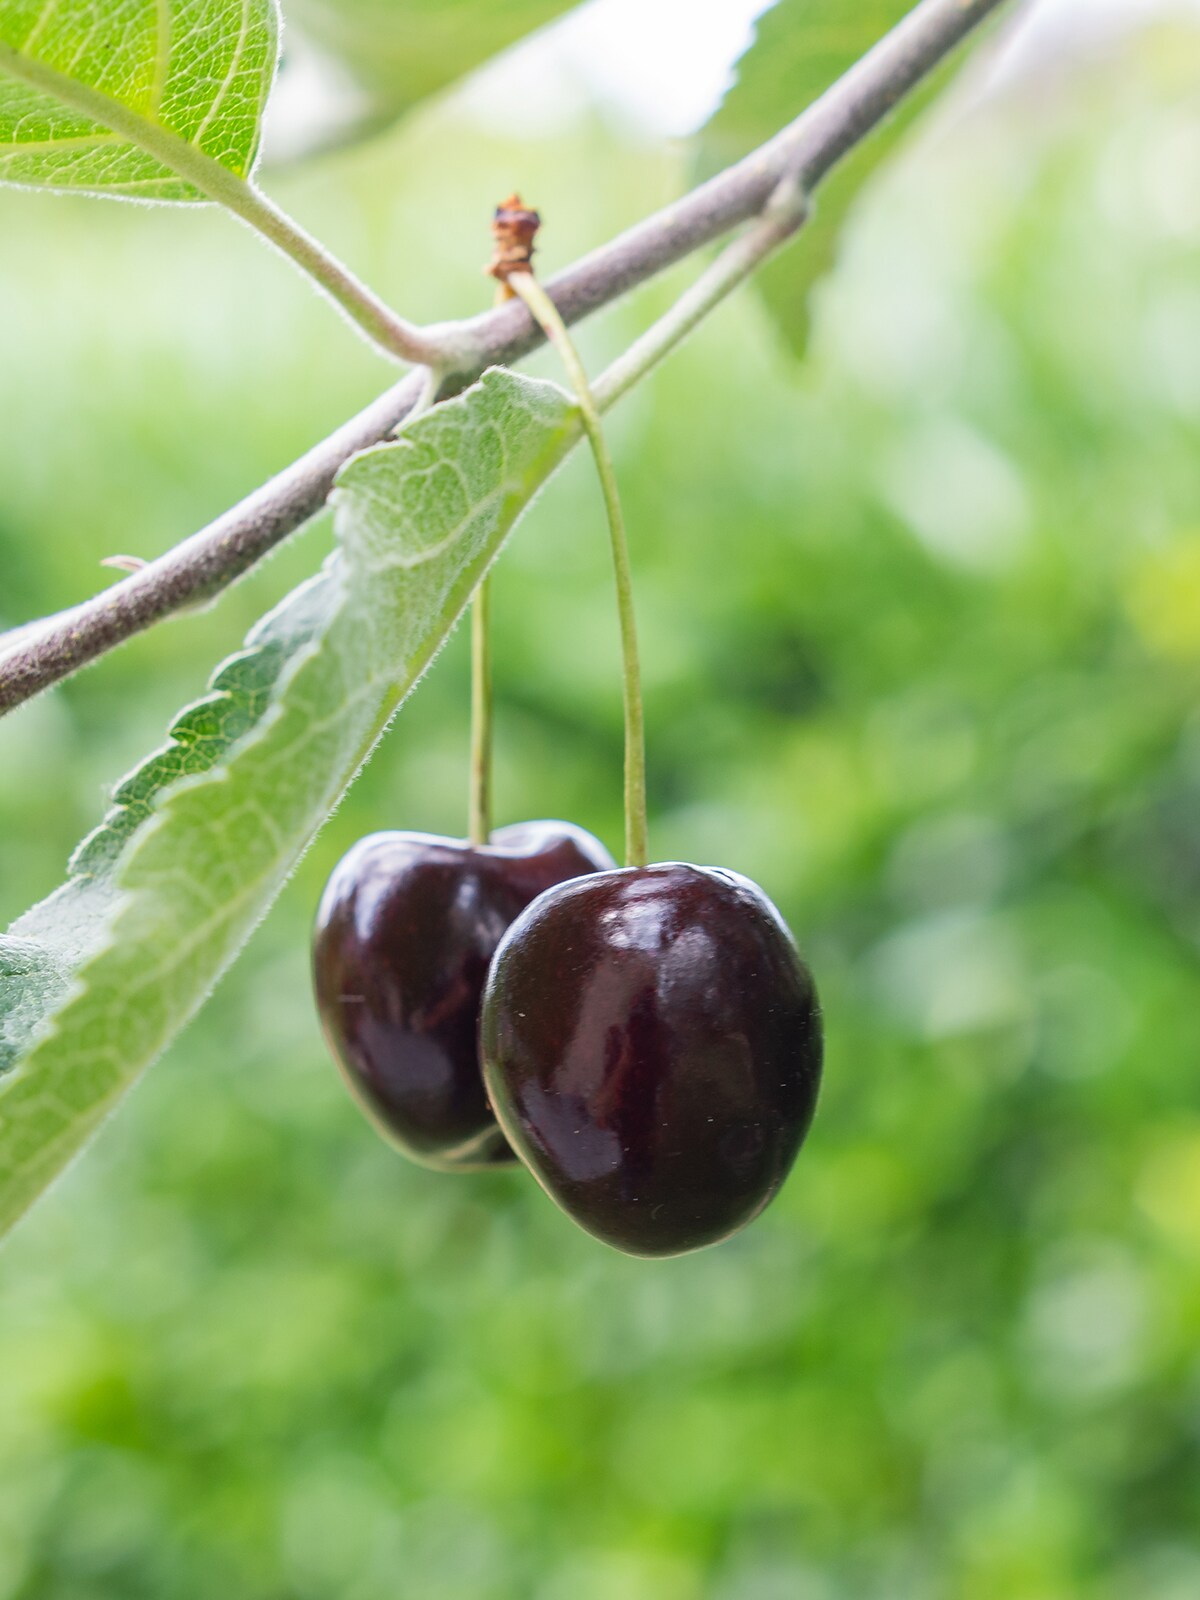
(146, 132)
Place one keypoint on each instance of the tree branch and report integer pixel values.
(804, 152)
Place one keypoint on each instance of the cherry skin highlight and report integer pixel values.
(651, 1043)
(404, 934)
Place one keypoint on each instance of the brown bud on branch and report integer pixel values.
(513, 229)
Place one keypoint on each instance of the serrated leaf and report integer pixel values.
(132, 98)
(96, 980)
(800, 48)
(402, 51)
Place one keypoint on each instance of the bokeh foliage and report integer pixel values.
(922, 627)
(398, 55)
(800, 48)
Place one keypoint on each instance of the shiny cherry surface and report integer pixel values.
(405, 931)
(651, 1043)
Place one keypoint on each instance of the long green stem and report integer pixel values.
(545, 313)
(480, 806)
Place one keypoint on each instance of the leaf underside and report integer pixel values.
(800, 48)
(94, 94)
(97, 979)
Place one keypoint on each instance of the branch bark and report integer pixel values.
(804, 152)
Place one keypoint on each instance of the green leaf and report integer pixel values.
(402, 51)
(800, 48)
(141, 98)
(96, 980)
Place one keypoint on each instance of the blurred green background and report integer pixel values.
(922, 632)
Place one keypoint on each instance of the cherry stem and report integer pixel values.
(545, 313)
(479, 786)
(480, 807)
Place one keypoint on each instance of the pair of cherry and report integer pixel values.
(646, 1040)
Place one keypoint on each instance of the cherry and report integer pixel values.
(405, 931)
(651, 1042)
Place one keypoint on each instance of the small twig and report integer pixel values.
(785, 214)
(43, 653)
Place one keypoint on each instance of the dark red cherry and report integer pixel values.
(405, 931)
(651, 1044)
